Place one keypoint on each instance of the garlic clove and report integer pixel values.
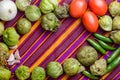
(10, 63)
(17, 55)
(11, 58)
(16, 61)
(13, 62)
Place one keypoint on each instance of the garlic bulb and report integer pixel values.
(8, 10)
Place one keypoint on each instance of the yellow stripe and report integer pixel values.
(26, 35)
(60, 39)
(32, 29)
(115, 76)
(65, 78)
(70, 45)
(68, 48)
(104, 76)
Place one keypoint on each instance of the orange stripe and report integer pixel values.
(32, 29)
(33, 44)
(36, 48)
(65, 78)
(76, 48)
(30, 48)
(116, 75)
(56, 43)
(84, 76)
(26, 35)
(81, 78)
(70, 45)
(38, 45)
(73, 52)
(11, 51)
(105, 76)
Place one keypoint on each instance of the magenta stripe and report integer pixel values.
(10, 23)
(57, 47)
(113, 73)
(30, 40)
(117, 77)
(31, 50)
(49, 41)
(73, 47)
(63, 46)
(77, 77)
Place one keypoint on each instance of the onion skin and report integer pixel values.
(8, 10)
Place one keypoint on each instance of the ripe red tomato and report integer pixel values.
(99, 7)
(77, 8)
(90, 21)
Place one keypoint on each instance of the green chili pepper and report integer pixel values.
(114, 55)
(113, 64)
(105, 46)
(86, 73)
(103, 38)
(96, 46)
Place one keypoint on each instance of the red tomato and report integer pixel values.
(77, 8)
(90, 21)
(99, 7)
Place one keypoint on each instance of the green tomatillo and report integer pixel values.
(5, 74)
(22, 4)
(22, 72)
(47, 6)
(50, 22)
(10, 36)
(32, 13)
(54, 69)
(38, 73)
(23, 26)
(71, 66)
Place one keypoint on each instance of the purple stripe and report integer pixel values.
(117, 77)
(73, 47)
(29, 36)
(113, 73)
(62, 47)
(10, 23)
(77, 77)
(52, 57)
(118, 0)
(85, 78)
(68, 1)
(31, 50)
(30, 40)
(37, 4)
(49, 41)
(109, 53)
